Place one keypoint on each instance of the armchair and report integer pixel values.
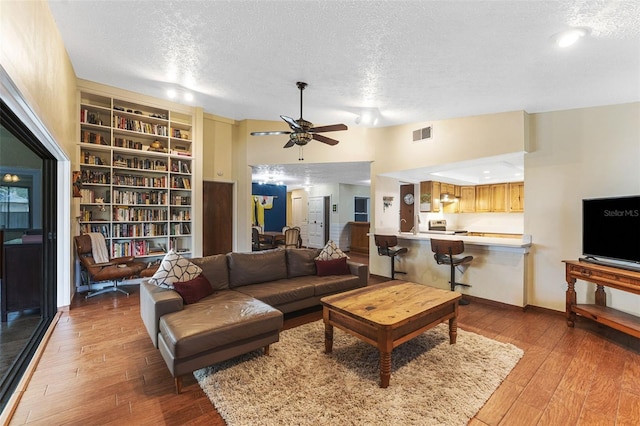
(115, 270)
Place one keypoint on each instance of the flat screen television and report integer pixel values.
(611, 229)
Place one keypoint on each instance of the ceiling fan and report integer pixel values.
(302, 131)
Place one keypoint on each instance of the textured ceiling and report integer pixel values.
(414, 61)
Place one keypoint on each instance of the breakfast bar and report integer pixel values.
(498, 272)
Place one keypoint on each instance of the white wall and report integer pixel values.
(576, 154)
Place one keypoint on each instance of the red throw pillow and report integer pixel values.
(332, 267)
(193, 290)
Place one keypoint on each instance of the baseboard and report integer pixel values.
(492, 303)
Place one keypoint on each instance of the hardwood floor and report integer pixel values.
(100, 368)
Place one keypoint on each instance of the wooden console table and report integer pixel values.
(602, 276)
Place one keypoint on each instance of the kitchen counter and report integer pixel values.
(498, 271)
(522, 243)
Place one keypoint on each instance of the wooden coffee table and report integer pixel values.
(388, 315)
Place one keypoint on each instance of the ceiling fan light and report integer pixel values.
(301, 138)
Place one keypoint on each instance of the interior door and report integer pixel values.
(217, 218)
(315, 222)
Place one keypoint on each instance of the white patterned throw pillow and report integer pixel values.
(331, 251)
(174, 268)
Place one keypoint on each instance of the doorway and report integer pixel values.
(317, 224)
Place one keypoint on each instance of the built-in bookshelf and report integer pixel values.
(136, 169)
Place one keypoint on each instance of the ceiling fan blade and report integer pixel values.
(291, 122)
(330, 128)
(325, 139)
(269, 133)
(289, 144)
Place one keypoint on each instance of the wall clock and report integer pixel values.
(408, 199)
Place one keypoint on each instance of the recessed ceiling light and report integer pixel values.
(570, 37)
(171, 93)
(188, 97)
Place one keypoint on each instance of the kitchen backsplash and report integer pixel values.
(509, 223)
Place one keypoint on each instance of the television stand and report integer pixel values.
(591, 259)
(603, 276)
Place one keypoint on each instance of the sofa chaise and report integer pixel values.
(250, 293)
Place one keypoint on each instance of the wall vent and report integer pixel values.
(421, 134)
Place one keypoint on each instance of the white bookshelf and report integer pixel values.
(136, 166)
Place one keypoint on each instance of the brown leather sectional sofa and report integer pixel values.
(245, 312)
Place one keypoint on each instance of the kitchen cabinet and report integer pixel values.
(447, 188)
(499, 198)
(516, 197)
(483, 198)
(491, 198)
(467, 202)
(430, 196)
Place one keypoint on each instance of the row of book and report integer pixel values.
(180, 166)
(180, 182)
(180, 229)
(181, 215)
(93, 176)
(133, 214)
(144, 181)
(89, 196)
(90, 117)
(180, 200)
(139, 163)
(93, 138)
(132, 197)
(127, 143)
(92, 159)
(134, 248)
(139, 230)
(85, 228)
(126, 123)
(89, 215)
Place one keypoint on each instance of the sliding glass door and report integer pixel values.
(27, 247)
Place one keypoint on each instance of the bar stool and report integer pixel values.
(444, 251)
(387, 246)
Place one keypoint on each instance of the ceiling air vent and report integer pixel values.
(421, 134)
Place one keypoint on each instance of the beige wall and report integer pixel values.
(575, 154)
(36, 61)
(33, 55)
(217, 148)
(453, 140)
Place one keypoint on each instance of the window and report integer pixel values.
(361, 209)
(15, 208)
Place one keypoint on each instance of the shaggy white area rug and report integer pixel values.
(432, 382)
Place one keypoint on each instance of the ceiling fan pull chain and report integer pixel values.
(300, 153)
